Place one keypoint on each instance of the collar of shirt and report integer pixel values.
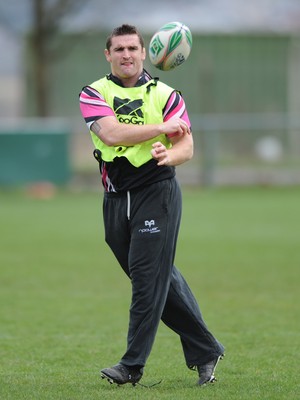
(144, 78)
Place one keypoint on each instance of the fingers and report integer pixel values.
(158, 147)
(186, 128)
(160, 153)
(176, 126)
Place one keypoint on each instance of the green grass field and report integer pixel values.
(64, 300)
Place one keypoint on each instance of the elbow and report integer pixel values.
(189, 148)
(108, 138)
(109, 141)
(188, 157)
(107, 134)
(190, 153)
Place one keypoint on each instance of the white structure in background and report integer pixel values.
(269, 148)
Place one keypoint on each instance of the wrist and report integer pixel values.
(160, 129)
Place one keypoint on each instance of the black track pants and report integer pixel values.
(141, 228)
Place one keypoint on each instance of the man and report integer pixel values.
(141, 131)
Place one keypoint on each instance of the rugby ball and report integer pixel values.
(170, 46)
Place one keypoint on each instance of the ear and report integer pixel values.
(107, 55)
(144, 54)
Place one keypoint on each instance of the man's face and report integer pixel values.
(126, 57)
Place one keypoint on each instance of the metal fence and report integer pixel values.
(248, 148)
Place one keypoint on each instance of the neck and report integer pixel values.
(142, 79)
(130, 81)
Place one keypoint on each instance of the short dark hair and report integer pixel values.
(124, 29)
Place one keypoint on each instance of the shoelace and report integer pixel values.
(149, 386)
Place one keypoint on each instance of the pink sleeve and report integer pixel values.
(175, 107)
(93, 106)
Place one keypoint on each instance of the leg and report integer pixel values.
(155, 216)
(182, 315)
(116, 227)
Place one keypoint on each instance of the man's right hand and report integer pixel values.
(175, 127)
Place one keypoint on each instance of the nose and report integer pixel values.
(126, 54)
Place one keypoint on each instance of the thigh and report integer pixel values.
(154, 225)
(117, 234)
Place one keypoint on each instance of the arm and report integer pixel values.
(181, 151)
(113, 133)
(101, 119)
(182, 146)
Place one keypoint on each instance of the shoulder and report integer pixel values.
(95, 90)
(160, 91)
(163, 86)
(169, 91)
(99, 84)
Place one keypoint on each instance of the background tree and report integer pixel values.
(48, 18)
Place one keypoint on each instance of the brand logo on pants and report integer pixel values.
(149, 223)
(148, 227)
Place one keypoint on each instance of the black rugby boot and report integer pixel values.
(121, 374)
